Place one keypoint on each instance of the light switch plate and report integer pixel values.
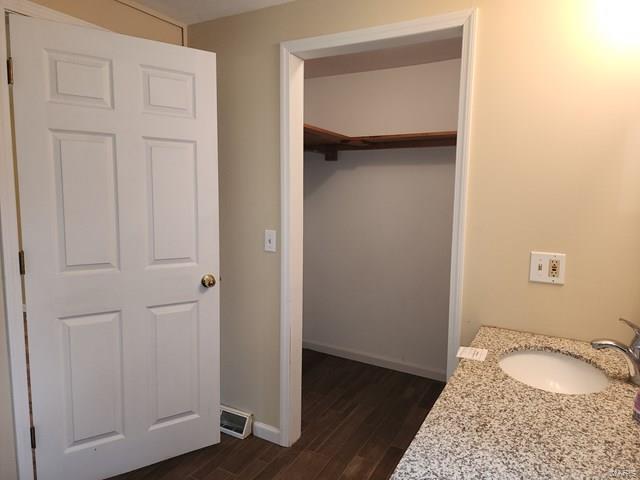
(547, 267)
(270, 241)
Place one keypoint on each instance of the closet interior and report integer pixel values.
(379, 141)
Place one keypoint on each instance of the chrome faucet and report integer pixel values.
(631, 353)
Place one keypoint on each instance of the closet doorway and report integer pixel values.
(379, 168)
(330, 145)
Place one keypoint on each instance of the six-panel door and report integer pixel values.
(117, 167)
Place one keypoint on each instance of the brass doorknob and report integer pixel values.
(208, 280)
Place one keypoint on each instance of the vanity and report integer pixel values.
(488, 425)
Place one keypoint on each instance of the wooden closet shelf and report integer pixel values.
(330, 143)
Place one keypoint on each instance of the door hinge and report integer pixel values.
(32, 433)
(10, 71)
(23, 269)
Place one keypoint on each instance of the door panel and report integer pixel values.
(79, 79)
(173, 188)
(117, 169)
(94, 394)
(176, 362)
(168, 92)
(86, 196)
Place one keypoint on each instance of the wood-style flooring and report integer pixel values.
(357, 421)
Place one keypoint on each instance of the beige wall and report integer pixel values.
(377, 256)
(417, 98)
(554, 166)
(117, 17)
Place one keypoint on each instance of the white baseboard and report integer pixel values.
(385, 362)
(266, 432)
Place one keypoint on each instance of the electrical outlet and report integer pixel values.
(554, 268)
(547, 267)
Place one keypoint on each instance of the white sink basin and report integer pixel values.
(553, 372)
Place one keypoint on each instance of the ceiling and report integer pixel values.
(416, 54)
(195, 11)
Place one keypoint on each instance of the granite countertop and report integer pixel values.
(486, 425)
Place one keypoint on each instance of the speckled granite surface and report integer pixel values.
(486, 425)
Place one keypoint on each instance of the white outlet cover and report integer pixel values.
(539, 267)
(270, 241)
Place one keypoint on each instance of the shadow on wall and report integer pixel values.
(377, 256)
(355, 160)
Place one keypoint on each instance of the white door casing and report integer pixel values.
(116, 150)
(293, 53)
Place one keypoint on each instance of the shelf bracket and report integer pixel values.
(331, 155)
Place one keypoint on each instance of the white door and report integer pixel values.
(117, 164)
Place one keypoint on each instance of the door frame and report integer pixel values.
(292, 56)
(9, 240)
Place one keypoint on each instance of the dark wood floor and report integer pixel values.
(357, 421)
